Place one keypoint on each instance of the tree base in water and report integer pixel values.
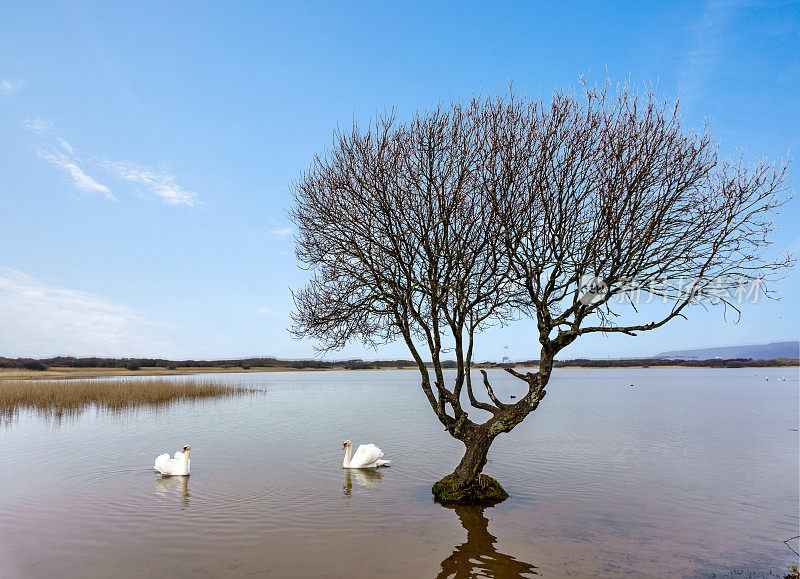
(484, 491)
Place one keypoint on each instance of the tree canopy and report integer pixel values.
(485, 211)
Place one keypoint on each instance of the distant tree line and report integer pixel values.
(358, 364)
(245, 363)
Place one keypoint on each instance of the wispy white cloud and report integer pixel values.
(80, 180)
(267, 312)
(712, 38)
(66, 146)
(59, 152)
(39, 126)
(63, 156)
(41, 320)
(280, 233)
(10, 87)
(161, 184)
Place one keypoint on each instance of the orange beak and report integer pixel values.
(344, 446)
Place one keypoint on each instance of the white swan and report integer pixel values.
(178, 466)
(367, 456)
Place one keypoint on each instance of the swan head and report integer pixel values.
(346, 444)
(186, 449)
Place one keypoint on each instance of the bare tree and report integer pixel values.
(475, 214)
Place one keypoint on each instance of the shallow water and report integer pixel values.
(678, 472)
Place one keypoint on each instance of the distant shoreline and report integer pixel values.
(63, 372)
(57, 373)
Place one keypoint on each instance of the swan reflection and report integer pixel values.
(169, 485)
(365, 477)
(478, 557)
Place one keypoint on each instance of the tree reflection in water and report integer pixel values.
(174, 484)
(478, 557)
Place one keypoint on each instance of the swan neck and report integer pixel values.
(348, 454)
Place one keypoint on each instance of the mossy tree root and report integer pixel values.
(484, 491)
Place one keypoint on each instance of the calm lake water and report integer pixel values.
(671, 472)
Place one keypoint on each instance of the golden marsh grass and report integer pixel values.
(71, 397)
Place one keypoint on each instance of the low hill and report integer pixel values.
(789, 349)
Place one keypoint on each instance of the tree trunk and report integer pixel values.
(474, 459)
(466, 484)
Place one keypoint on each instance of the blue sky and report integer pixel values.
(148, 149)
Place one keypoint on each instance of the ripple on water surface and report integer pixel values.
(688, 472)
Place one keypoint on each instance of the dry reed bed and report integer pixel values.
(71, 397)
